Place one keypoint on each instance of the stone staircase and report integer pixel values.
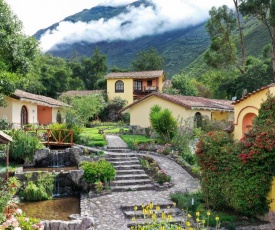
(136, 217)
(130, 174)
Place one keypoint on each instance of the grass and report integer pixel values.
(137, 139)
(93, 136)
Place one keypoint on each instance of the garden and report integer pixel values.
(231, 191)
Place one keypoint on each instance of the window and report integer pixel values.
(149, 83)
(137, 85)
(119, 87)
(198, 120)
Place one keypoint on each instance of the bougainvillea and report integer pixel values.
(239, 174)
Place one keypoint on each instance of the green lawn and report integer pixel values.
(137, 139)
(92, 136)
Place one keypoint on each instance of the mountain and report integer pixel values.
(182, 48)
(179, 47)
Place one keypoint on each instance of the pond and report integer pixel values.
(56, 209)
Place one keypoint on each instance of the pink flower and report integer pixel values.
(18, 211)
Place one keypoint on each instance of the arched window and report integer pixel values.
(198, 120)
(119, 87)
(24, 115)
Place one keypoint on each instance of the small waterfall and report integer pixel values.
(60, 184)
(56, 189)
(56, 158)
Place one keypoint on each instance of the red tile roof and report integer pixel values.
(40, 100)
(139, 74)
(254, 92)
(81, 93)
(190, 102)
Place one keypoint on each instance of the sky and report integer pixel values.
(166, 16)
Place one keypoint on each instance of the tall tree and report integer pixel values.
(221, 27)
(148, 60)
(93, 68)
(17, 52)
(184, 84)
(263, 10)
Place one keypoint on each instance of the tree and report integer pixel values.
(17, 52)
(263, 10)
(163, 123)
(221, 27)
(93, 69)
(148, 60)
(184, 84)
(258, 74)
(83, 108)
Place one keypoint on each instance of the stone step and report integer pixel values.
(122, 155)
(162, 205)
(121, 159)
(120, 150)
(131, 182)
(128, 167)
(176, 220)
(139, 214)
(129, 171)
(126, 162)
(131, 176)
(128, 188)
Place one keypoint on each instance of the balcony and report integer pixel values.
(146, 90)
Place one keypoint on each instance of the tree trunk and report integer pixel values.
(241, 34)
(273, 49)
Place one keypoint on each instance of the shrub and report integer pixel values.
(239, 175)
(101, 170)
(42, 189)
(23, 146)
(163, 123)
(162, 177)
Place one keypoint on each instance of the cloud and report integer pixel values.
(136, 22)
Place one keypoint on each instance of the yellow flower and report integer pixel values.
(144, 211)
(208, 213)
(197, 220)
(162, 227)
(143, 205)
(136, 208)
(190, 228)
(187, 223)
(142, 228)
(151, 205)
(154, 216)
(189, 215)
(203, 221)
(170, 218)
(175, 204)
(197, 213)
(132, 227)
(163, 215)
(168, 207)
(158, 208)
(217, 218)
(133, 218)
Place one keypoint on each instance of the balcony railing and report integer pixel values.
(146, 89)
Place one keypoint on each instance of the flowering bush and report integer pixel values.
(165, 149)
(239, 174)
(15, 219)
(162, 177)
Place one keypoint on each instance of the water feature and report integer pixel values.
(56, 209)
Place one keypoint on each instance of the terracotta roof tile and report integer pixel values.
(81, 93)
(139, 74)
(190, 102)
(252, 93)
(39, 99)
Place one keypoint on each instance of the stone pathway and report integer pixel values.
(106, 209)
